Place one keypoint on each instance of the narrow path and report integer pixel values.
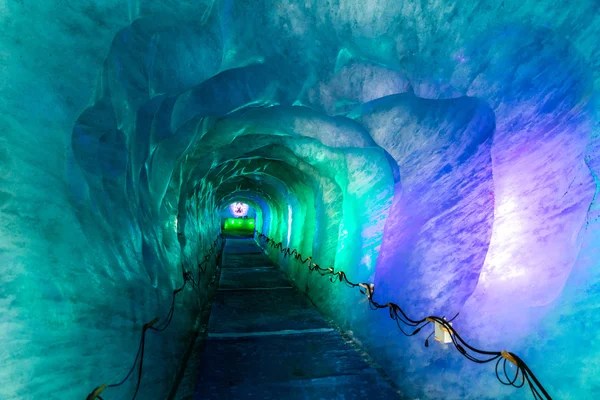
(265, 340)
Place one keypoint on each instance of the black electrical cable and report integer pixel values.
(132, 367)
(401, 318)
(187, 277)
(140, 369)
(172, 309)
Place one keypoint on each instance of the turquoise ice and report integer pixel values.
(446, 151)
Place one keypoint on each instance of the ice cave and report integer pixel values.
(442, 155)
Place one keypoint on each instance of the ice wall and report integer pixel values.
(445, 152)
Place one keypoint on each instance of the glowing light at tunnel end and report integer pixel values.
(239, 209)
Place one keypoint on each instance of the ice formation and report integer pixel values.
(444, 151)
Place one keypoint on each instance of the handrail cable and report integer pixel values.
(187, 277)
(401, 318)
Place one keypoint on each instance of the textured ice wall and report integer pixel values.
(86, 260)
(439, 229)
(352, 114)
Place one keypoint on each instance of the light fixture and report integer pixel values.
(443, 334)
(239, 209)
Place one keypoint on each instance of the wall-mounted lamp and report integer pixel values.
(442, 333)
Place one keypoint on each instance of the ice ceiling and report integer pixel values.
(446, 151)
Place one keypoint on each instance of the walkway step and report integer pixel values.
(253, 278)
(263, 311)
(245, 254)
(266, 340)
(251, 260)
(305, 366)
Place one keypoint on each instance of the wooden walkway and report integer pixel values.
(265, 340)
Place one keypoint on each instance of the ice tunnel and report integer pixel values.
(445, 152)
